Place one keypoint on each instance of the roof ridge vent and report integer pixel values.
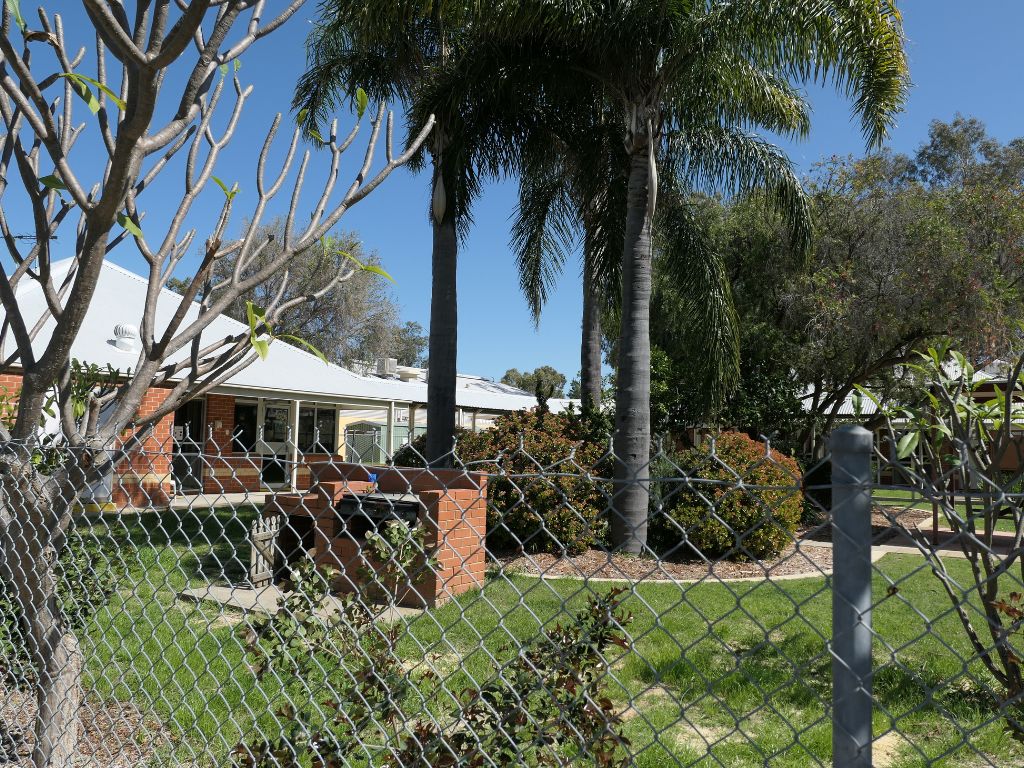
(126, 337)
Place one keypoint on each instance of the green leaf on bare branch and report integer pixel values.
(907, 444)
(303, 343)
(14, 6)
(52, 182)
(81, 85)
(125, 221)
(261, 334)
(228, 193)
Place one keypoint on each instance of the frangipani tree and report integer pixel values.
(147, 111)
(955, 439)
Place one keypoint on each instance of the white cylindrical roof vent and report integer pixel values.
(126, 337)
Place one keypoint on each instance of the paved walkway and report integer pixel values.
(903, 544)
(266, 600)
(219, 500)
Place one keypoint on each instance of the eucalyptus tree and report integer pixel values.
(394, 49)
(158, 81)
(355, 323)
(690, 82)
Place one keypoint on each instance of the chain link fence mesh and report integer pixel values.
(242, 610)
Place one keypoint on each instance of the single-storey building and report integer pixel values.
(257, 430)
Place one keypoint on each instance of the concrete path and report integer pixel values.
(266, 600)
(218, 500)
(903, 544)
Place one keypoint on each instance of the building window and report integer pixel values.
(275, 423)
(318, 428)
(244, 435)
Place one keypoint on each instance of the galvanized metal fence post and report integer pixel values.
(850, 447)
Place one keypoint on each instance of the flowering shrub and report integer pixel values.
(749, 510)
(548, 479)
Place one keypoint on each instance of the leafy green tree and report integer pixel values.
(961, 153)
(544, 380)
(409, 344)
(904, 251)
(690, 81)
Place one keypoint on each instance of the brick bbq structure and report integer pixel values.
(331, 520)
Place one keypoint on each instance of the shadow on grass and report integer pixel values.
(209, 544)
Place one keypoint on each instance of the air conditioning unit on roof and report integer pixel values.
(387, 366)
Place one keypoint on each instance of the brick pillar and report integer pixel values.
(226, 470)
(457, 524)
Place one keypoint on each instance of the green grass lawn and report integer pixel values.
(718, 674)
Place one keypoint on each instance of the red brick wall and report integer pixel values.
(144, 479)
(220, 408)
(224, 471)
(10, 380)
(11, 383)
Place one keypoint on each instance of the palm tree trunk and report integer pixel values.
(632, 440)
(590, 347)
(444, 317)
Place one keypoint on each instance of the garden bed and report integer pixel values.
(796, 560)
(887, 522)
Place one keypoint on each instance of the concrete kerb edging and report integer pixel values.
(877, 553)
(816, 574)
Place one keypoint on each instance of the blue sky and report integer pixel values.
(964, 58)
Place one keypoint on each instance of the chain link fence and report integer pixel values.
(236, 609)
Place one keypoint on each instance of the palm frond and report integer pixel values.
(544, 232)
(732, 91)
(856, 45)
(688, 258)
(715, 158)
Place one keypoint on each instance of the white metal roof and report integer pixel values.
(287, 372)
(849, 406)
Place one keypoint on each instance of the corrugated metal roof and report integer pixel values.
(287, 372)
(847, 408)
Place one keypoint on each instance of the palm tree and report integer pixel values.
(690, 82)
(392, 49)
(572, 174)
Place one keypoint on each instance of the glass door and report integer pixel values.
(275, 443)
(187, 457)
